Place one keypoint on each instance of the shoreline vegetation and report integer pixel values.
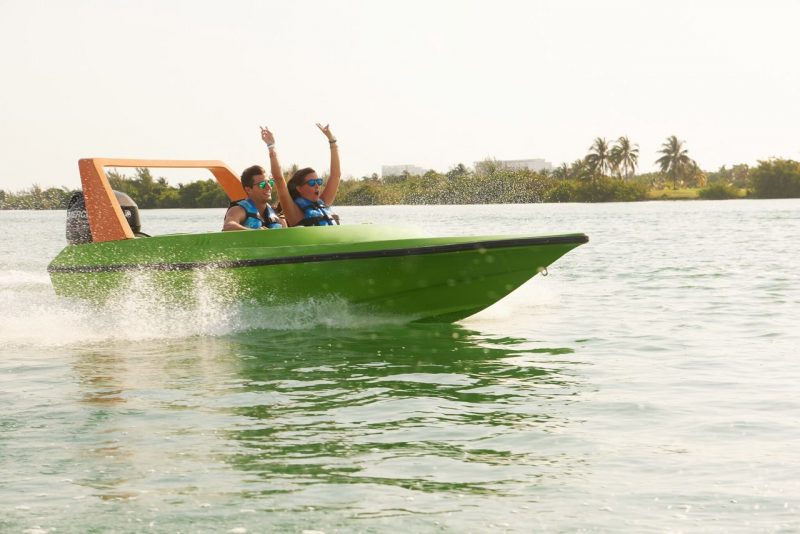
(606, 174)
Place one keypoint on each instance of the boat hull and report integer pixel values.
(376, 270)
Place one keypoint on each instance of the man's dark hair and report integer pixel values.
(250, 172)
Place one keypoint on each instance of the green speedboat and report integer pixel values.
(375, 269)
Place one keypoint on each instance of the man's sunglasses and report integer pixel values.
(318, 181)
(263, 183)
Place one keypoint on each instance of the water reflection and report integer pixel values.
(140, 406)
(287, 419)
(426, 407)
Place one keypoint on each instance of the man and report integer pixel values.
(253, 212)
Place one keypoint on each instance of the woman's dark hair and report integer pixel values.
(249, 173)
(297, 180)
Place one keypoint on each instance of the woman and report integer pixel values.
(254, 211)
(304, 201)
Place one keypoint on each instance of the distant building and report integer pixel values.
(398, 170)
(530, 164)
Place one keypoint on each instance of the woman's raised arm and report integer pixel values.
(329, 194)
(290, 209)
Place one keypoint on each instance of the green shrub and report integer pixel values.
(36, 198)
(610, 190)
(563, 191)
(719, 191)
(777, 178)
(358, 193)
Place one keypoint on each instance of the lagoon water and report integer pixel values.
(650, 383)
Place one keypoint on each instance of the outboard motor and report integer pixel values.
(131, 212)
(78, 230)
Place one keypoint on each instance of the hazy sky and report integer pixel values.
(430, 83)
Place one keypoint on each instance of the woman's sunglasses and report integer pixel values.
(263, 183)
(318, 181)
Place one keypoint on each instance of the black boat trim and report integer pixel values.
(576, 239)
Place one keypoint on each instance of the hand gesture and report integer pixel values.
(267, 136)
(327, 131)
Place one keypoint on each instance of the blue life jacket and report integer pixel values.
(315, 213)
(270, 220)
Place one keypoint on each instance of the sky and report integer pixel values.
(431, 83)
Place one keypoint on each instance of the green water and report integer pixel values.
(648, 384)
(423, 423)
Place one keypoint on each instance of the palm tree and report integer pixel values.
(615, 160)
(696, 175)
(579, 170)
(625, 157)
(599, 157)
(675, 162)
(458, 170)
(561, 172)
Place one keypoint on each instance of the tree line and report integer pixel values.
(148, 192)
(606, 173)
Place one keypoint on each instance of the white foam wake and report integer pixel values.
(32, 315)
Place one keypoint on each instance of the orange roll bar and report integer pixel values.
(106, 220)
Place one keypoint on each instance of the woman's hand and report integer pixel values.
(267, 136)
(329, 193)
(327, 131)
